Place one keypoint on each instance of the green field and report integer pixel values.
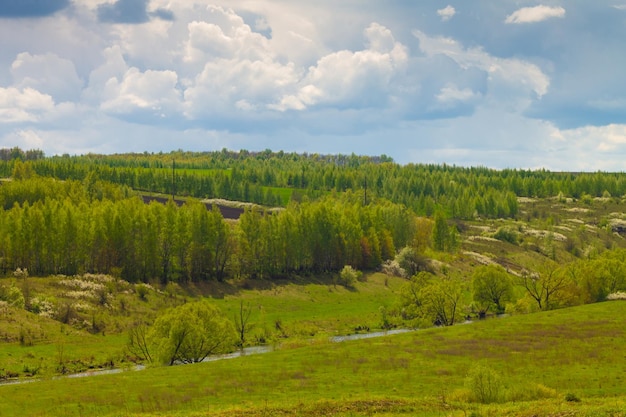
(540, 360)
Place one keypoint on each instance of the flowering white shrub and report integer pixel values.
(89, 287)
(620, 295)
(82, 307)
(20, 273)
(101, 278)
(81, 285)
(393, 268)
(42, 307)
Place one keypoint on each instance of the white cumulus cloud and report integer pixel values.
(152, 92)
(23, 105)
(446, 13)
(452, 94)
(47, 73)
(514, 75)
(534, 14)
(353, 78)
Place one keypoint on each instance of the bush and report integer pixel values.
(412, 262)
(507, 234)
(484, 385)
(12, 295)
(620, 295)
(142, 291)
(572, 398)
(349, 276)
(392, 267)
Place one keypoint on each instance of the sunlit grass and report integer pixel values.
(577, 351)
(308, 309)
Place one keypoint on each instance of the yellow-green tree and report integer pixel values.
(190, 333)
(491, 288)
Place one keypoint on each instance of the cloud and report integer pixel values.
(26, 138)
(352, 79)
(48, 74)
(446, 13)
(149, 95)
(451, 94)
(247, 87)
(23, 105)
(609, 139)
(31, 8)
(257, 22)
(509, 78)
(225, 36)
(163, 14)
(124, 11)
(534, 14)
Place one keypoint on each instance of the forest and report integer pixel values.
(314, 213)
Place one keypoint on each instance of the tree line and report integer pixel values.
(70, 227)
(275, 178)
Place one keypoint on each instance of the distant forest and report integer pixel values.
(74, 214)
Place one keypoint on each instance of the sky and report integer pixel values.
(501, 84)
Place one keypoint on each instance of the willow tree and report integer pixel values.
(190, 333)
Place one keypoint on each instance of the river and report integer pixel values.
(252, 350)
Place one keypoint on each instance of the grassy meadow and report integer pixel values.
(566, 362)
(540, 361)
(95, 338)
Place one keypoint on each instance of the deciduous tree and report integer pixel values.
(191, 332)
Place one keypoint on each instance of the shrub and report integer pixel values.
(12, 295)
(572, 398)
(507, 234)
(392, 267)
(484, 385)
(142, 291)
(620, 295)
(349, 276)
(412, 262)
(42, 307)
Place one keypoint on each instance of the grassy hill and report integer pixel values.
(564, 362)
(537, 360)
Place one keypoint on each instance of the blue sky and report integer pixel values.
(502, 84)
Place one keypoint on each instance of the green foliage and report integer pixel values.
(549, 288)
(190, 333)
(77, 232)
(412, 262)
(491, 288)
(507, 234)
(431, 299)
(572, 398)
(349, 276)
(142, 291)
(484, 384)
(12, 295)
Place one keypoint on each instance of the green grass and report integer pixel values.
(37, 346)
(283, 192)
(308, 309)
(577, 351)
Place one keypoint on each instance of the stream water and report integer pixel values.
(252, 350)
